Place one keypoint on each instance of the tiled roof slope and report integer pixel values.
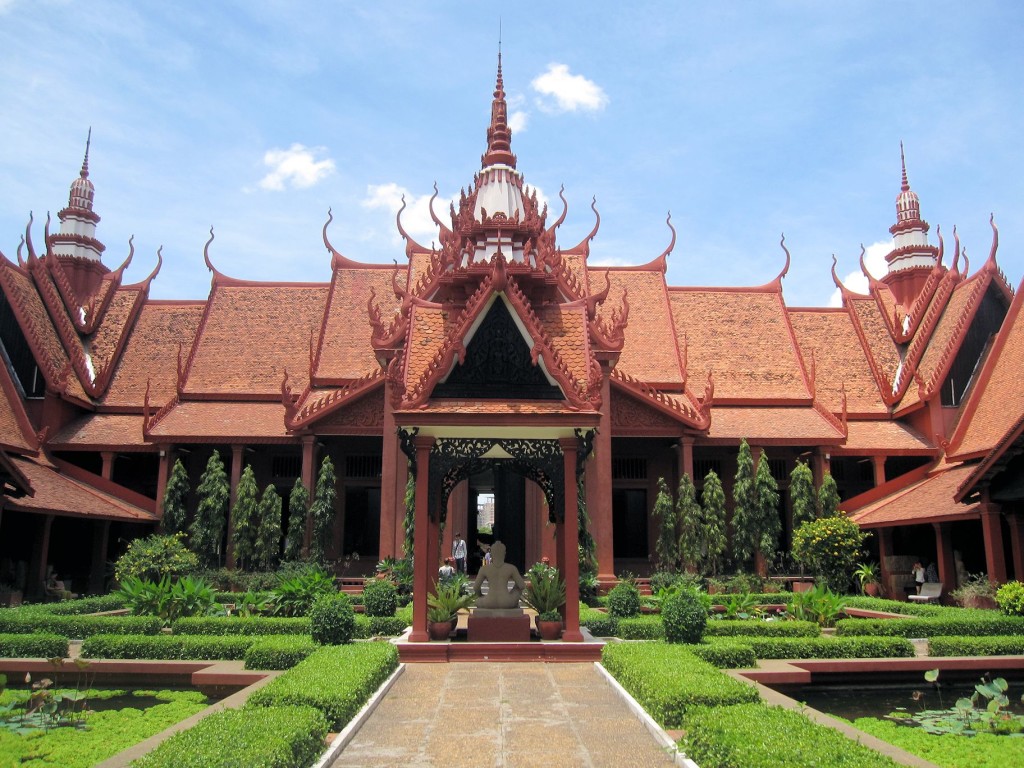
(427, 330)
(251, 333)
(16, 432)
(650, 352)
(103, 345)
(214, 422)
(996, 402)
(151, 354)
(767, 425)
(567, 329)
(888, 437)
(828, 337)
(882, 350)
(345, 350)
(929, 499)
(102, 431)
(743, 336)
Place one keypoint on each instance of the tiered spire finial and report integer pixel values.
(499, 135)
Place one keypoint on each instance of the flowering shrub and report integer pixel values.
(829, 547)
(1010, 598)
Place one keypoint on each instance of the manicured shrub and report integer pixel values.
(830, 647)
(668, 679)
(270, 737)
(82, 605)
(380, 598)
(754, 628)
(337, 680)
(599, 623)
(829, 547)
(684, 615)
(641, 628)
(961, 622)
(295, 593)
(624, 600)
(180, 647)
(34, 646)
(282, 652)
(725, 654)
(154, 557)
(1010, 598)
(759, 736)
(999, 645)
(386, 626)
(21, 622)
(897, 606)
(239, 625)
(332, 620)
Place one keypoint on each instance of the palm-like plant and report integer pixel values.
(446, 603)
(546, 592)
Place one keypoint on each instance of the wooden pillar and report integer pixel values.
(237, 451)
(685, 466)
(37, 567)
(163, 475)
(97, 570)
(878, 465)
(422, 559)
(570, 545)
(992, 532)
(945, 563)
(107, 471)
(1016, 521)
(884, 553)
(308, 472)
(392, 483)
(598, 488)
(458, 518)
(820, 465)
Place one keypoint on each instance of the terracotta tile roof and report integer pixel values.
(427, 329)
(104, 343)
(345, 351)
(996, 401)
(152, 353)
(567, 330)
(251, 333)
(839, 360)
(102, 431)
(650, 352)
(881, 347)
(743, 336)
(498, 407)
(205, 421)
(778, 425)
(16, 433)
(927, 500)
(59, 494)
(889, 437)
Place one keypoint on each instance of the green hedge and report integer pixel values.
(254, 737)
(599, 623)
(830, 647)
(756, 628)
(18, 621)
(82, 605)
(34, 646)
(998, 645)
(758, 598)
(238, 625)
(963, 623)
(336, 679)
(667, 680)
(897, 606)
(177, 647)
(725, 653)
(386, 626)
(278, 652)
(641, 628)
(759, 736)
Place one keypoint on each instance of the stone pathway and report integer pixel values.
(502, 715)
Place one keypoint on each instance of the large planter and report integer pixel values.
(439, 630)
(803, 586)
(871, 589)
(549, 630)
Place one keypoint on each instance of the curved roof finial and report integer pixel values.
(995, 239)
(206, 252)
(28, 238)
(789, 259)
(956, 251)
(942, 246)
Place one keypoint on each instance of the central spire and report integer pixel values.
(499, 135)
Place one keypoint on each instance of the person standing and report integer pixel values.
(918, 571)
(459, 552)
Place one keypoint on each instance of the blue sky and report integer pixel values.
(744, 119)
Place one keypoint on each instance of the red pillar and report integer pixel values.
(685, 459)
(107, 470)
(946, 566)
(1016, 521)
(237, 452)
(308, 470)
(41, 555)
(992, 532)
(884, 553)
(163, 475)
(570, 545)
(878, 465)
(422, 559)
(598, 488)
(392, 461)
(100, 539)
(457, 521)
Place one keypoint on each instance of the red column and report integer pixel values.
(878, 464)
(570, 545)
(162, 476)
(458, 512)
(236, 475)
(992, 531)
(820, 466)
(391, 461)
(1016, 521)
(308, 470)
(41, 555)
(107, 471)
(100, 539)
(598, 488)
(685, 459)
(945, 565)
(884, 553)
(422, 559)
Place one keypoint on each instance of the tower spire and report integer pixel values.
(499, 135)
(77, 236)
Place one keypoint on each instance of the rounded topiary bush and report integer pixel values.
(624, 600)
(685, 616)
(332, 620)
(380, 598)
(1010, 598)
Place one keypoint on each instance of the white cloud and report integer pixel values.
(416, 217)
(517, 121)
(296, 166)
(565, 92)
(874, 260)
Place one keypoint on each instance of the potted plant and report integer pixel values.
(546, 594)
(443, 608)
(869, 578)
(976, 591)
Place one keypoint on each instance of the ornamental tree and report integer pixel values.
(829, 548)
(268, 532)
(769, 524)
(175, 499)
(322, 510)
(801, 490)
(298, 506)
(666, 547)
(688, 515)
(243, 519)
(745, 514)
(712, 500)
(207, 530)
(828, 497)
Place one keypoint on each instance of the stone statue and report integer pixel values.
(498, 574)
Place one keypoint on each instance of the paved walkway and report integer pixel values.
(502, 715)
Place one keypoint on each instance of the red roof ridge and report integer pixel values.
(313, 405)
(689, 410)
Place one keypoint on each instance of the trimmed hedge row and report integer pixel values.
(897, 606)
(77, 626)
(255, 737)
(82, 605)
(641, 628)
(336, 679)
(667, 680)
(278, 652)
(383, 626)
(759, 736)
(725, 653)
(830, 647)
(964, 623)
(167, 647)
(746, 628)
(238, 625)
(998, 645)
(599, 623)
(35, 646)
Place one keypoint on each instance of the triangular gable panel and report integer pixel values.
(362, 416)
(630, 416)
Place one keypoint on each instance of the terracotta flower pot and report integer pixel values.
(439, 630)
(549, 630)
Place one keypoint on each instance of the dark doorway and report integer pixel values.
(362, 521)
(629, 522)
(509, 491)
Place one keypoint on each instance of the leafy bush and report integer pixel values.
(380, 597)
(34, 646)
(206, 647)
(332, 620)
(818, 604)
(962, 622)
(82, 605)
(599, 623)
(278, 652)
(546, 592)
(240, 625)
(829, 547)
(999, 645)
(685, 616)
(641, 628)
(337, 680)
(386, 626)
(270, 737)
(667, 680)
(898, 606)
(1010, 598)
(295, 594)
(725, 654)
(725, 736)
(624, 600)
(154, 557)
(19, 621)
(745, 628)
(169, 599)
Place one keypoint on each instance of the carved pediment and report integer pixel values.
(630, 415)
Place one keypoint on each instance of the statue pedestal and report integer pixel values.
(492, 625)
